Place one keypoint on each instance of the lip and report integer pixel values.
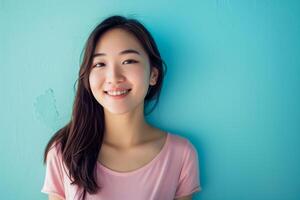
(117, 89)
(119, 96)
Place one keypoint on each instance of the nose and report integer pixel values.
(114, 75)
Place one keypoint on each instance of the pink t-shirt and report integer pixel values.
(173, 173)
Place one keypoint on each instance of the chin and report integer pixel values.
(117, 111)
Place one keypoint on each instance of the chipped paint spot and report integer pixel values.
(46, 110)
(224, 13)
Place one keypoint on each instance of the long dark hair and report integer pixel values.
(80, 140)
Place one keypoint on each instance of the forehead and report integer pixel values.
(116, 40)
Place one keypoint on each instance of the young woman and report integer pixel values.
(108, 151)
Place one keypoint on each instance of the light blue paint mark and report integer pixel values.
(45, 109)
(225, 13)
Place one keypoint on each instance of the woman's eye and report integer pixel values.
(99, 64)
(129, 61)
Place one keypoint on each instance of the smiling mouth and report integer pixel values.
(117, 93)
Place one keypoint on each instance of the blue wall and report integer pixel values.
(232, 87)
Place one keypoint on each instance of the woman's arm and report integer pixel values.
(189, 197)
(54, 197)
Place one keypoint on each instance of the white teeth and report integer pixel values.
(116, 93)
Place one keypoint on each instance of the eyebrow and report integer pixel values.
(121, 53)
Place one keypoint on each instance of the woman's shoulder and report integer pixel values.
(180, 142)
(54, 151)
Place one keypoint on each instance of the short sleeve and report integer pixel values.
(53, 182)
(189, 181)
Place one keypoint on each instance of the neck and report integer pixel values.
(125, 130)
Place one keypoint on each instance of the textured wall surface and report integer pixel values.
(232, 87)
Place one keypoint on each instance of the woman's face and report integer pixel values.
(120, 64)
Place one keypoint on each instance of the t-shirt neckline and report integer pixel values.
(154, 160)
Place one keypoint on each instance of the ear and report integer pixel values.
(153, 76)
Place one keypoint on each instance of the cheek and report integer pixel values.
(94, 80)
(140, 76)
